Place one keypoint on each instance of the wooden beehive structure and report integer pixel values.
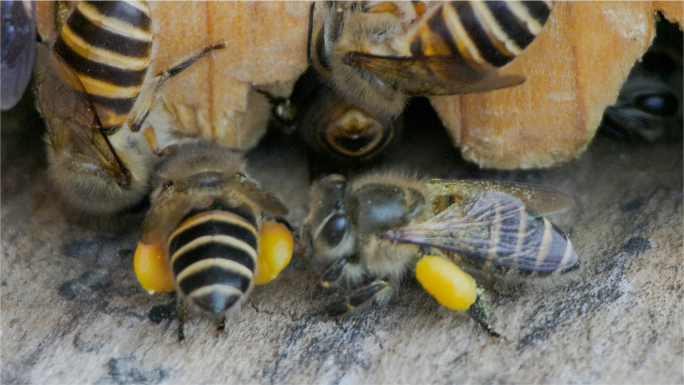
(574, 70)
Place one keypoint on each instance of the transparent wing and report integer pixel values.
(494, 227)
(538, 200)
(433, 75)
(18, 49)
(258, 194)
(72, 124)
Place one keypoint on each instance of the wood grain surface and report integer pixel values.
(575, 69)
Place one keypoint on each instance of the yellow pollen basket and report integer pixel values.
(451, 286)
(152, 269)
(275, 251)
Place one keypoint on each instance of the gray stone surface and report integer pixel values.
(72, 311)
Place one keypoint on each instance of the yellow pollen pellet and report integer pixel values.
(152, 268)
(275, 251)
(451, 286)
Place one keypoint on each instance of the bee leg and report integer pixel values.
(333, 273)
(283, 113)
(151, 137)
(221, 327)
(172, 71)
(480, 313)
(182, 314)
(357, 298)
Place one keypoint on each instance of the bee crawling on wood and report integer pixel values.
(211, 233)
(376, 54)
(90, 82)
(369, 232)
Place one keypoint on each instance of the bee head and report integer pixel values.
(328, 224)
(649, 105)
(645, 109)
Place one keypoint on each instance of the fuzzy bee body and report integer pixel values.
(369, 232)
(377, 54)
(108, 45)
(491, 33)
(90, 81)
(208, 216)
(345, 133)
(213, 255)
(335, 130)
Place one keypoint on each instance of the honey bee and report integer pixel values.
(371, 231)
(88, 85)
(207, 218)
(18, 49)
(649, 105)
(335, 130)
(377, 54)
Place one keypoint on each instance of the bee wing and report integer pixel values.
(18, 49)
(69, 114)
(433, 75)
(538, 200)
(493, 227)
(256, 193)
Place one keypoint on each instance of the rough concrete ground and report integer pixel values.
(72, 311)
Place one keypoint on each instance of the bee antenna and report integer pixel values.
(124, 179)
(310, 33)
(616, 112)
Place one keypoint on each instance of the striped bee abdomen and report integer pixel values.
(213, 256)
(486, 32)
(519, 242)
(529, 246)
(108, 45)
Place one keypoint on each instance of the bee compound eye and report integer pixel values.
(335, 229)
(209, 181)
(659, 104)
(167, 184)
(123, 181)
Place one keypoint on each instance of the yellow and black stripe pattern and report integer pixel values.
(486, 32)
(108, 45)
(213, 256)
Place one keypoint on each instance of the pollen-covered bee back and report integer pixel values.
(204, 228)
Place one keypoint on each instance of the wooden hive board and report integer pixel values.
(575, 69)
